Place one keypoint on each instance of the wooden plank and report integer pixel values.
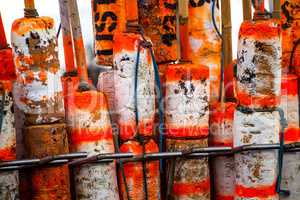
(247, 10)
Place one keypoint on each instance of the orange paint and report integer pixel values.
(263, 101)
(131, 10)
(186, 72)
(3, 42)
(8, 154)
(89, 100)
(80, 58)
(229, 80)
(190, 132)
(68, 52)
(256, 192)
(25, 25)
(131, 43)
(7, 67)
(258, 29)
(224, 197)
(191, 188)
(291, 135)
(128, 131)
(289, 85)
(79, 136)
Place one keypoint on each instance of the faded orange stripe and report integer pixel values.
(128, 130)
(258, 29)
(181, 189)
(259, 191)
(79, 136)
(89, 100)
(263, 101)
(291, 135)
(289, 84)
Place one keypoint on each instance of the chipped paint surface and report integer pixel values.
(256, 171)
(90, 131)
(187, 96)
(35, 51)
(191, 177)
(9, 185)
(134, 172)
(204, 45)
(48, 183)
(221, 134)
(158, 19)
(125, 58)
(259, 64)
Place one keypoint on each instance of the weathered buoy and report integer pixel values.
(125, 66)
(186, 121)
(9, 181)
(158, 19)
(259, 63)
(186, 101)
(204, 45)
(48, 183)
(291, 160)
(256, 171)
(191, 176)
(39, 90)
(89, 128)
(221, 135)
(133, 173)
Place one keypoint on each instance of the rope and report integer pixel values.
(58, 31)
(30, 13)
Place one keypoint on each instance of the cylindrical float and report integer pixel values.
(38, 90)
(291, 160)
(259, 64)
(91, 132)
(191, 176)
(9, 181)
(256, 171)
(186, 101)
(158, 19)
(125, 69)
(89, 128)
(133, 172)
(48, 183)
(204, 45)
(221, 135)
(186, 121)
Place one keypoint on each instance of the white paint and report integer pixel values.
(9, 185)
(190, 109)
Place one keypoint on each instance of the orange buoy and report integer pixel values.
(186, 101)
(125, 58)
(256, 171)
(108, 18)
(133, 172)
(291, 160)
(9, 181)
(158, 19)
(204, 45)
(48, 183)
(89, 127)
(259, 64)
(191, 176)
(221, 129)
(38, 86)
(290, 20)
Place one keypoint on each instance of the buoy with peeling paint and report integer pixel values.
(256, 171)
(259, 62)
(158, 19)
(134, 172)
(89, 128)
(39, 90)
(204, 45)
(125, 59)
(291, 160)
(221, 135)
(48, 183)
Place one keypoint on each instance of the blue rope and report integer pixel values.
(160, 107)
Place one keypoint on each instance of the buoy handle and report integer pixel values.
(80, 55)
(3, 41)
(67, 35)
(29, 4)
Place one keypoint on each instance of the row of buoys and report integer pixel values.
(63, 113)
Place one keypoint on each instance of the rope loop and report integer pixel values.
(30, 13)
